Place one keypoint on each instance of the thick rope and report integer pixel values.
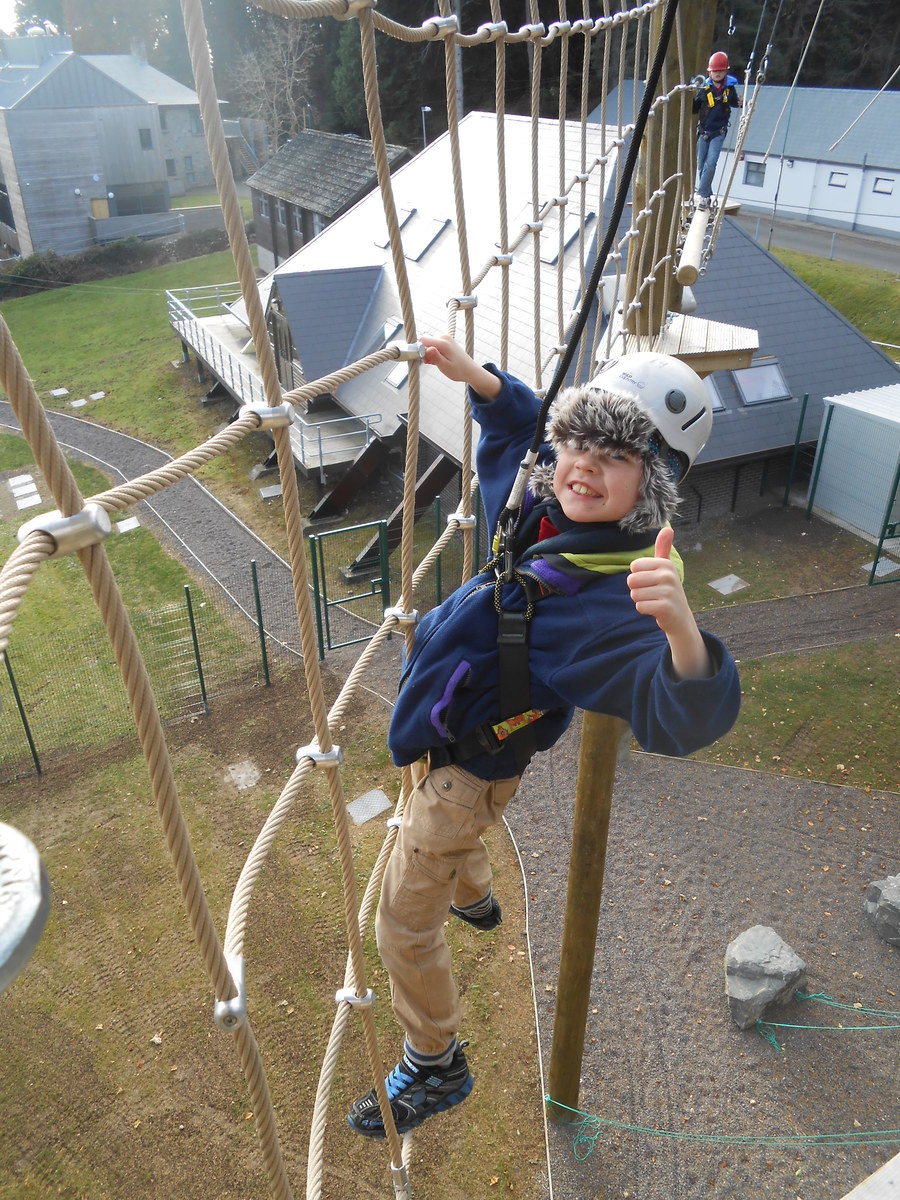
(24, 562)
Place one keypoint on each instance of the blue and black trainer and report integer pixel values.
(416, 1093)
(484, 921)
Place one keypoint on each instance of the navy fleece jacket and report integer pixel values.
(589, 646)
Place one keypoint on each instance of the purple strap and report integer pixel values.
(444, 703)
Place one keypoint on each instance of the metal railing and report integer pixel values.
(184, 308)
(312, 441)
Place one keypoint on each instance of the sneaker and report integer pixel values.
(415, 1093)
(703, 203)
(489, 921)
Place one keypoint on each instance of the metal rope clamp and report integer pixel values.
(354, 8)
(321, 758)
(410, 350)
(401, 616)
(462, 521)
(85, 528)
(269, 417)
(438, 27)
(231, 1014)
(346, 995)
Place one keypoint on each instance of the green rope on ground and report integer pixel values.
(590, 1127)
(765, 1027)
(824, 998)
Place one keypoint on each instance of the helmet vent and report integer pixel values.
(693, 421)
(676, 400)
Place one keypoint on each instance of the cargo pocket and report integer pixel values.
(443, 807)
(423, 893)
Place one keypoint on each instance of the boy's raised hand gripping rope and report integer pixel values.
(506, 524)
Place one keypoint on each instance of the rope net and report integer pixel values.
(571, 191)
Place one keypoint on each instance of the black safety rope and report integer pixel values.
(510, 513)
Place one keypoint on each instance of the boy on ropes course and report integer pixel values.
(714, 102)
(593, 615)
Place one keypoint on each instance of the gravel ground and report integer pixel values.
(696, 854)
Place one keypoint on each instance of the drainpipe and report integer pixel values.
(859, 195)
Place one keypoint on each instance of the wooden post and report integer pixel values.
(600, 737)
(657, 163)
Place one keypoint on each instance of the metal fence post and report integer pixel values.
(315, 586)
(190, 608)
(818, 464)
(259, 620)
(790, 480)
(24, 719)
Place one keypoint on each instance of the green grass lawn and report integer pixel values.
(201, 199)
(869, 299)
(113, 336)
(58, 622)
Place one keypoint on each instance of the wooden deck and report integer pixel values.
(324, 441)
(705, 345)
(883, 1185)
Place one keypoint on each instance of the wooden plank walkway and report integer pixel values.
(883, 1185)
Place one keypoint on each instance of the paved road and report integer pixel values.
(882, 253)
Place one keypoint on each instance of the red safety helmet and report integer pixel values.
(718, 61)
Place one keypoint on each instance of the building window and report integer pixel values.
(297, 220)
(883, 185)
(713, 392)
(188, 168)
(396, 377)
(838, 179)
(146, 139)
(264, 206)
(162, 120)
(280, 212)
(761, 383)
(196, 124)
(170, 167)
(754, 173)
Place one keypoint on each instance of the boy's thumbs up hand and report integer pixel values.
(655, 586)
(665, 539)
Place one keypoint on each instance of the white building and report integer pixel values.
(812, 172)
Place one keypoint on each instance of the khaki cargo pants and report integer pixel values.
(438, 858)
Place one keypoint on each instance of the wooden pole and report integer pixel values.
(657, 163)
(600, 737)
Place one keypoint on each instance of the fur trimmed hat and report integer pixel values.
(598, 420)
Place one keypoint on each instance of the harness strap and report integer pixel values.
(515, 680)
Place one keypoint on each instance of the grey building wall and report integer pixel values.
(52, 160)
(843, 490)
(184, 150)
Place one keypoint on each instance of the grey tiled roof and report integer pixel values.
(340, 289)
(423, 192)
(144, 81)
(322, 172)
(819, 351)
(329, 306)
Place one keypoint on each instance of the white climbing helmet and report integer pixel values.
(672, 395)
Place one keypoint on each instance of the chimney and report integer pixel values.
(139, 51)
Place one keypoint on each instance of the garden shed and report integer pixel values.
(857, 467)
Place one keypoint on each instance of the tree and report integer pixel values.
(271, 79)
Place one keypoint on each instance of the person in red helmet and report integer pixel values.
(714, 102)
